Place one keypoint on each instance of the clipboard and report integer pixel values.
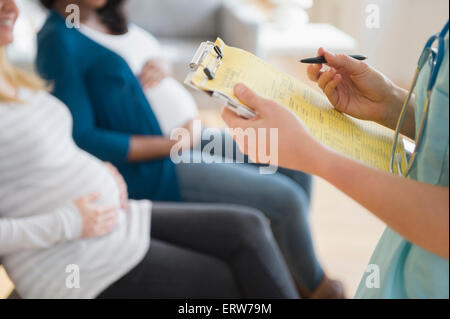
(216, 68)
(208, 58)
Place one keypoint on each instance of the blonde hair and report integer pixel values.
(18, 78)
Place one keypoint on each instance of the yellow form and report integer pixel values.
(362, 140)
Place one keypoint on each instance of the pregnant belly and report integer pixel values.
(58, 184)
(172, 104)
(81, 175)
(97, 178)
(100, 180)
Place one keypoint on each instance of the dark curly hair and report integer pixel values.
(112, 15)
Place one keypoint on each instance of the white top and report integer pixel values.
(172, 104)
(41, 172)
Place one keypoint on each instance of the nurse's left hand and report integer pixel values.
(297, 149)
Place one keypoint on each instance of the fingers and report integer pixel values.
(248, 97)
(337, 61)
(105, 220)
(105, 226)
(124, 203)
(106, 213)
(151, 75)
(89, 198)
(114, 171)
(149, 66)
(98, 220)
(313, 72)
(151, 79)
(124, 197)
(328, 82)
(123, 189)
(343, 61)
(232, 119)
(330, 90)
(111, 167)
(326, 77)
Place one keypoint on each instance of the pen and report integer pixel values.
(322, 60)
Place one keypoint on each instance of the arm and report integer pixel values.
(39, 232)
(409, 124)
(143, 148)
(82, 219)
(417, 211)
(54, 63)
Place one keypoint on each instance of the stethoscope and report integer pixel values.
(437, 56)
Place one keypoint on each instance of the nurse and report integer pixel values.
(411, 258)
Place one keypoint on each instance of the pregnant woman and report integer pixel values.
(172, 104)
(123, 103)
(63, 209)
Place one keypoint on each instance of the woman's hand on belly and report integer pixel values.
(123, 188)
(152, 74)
(96, 220)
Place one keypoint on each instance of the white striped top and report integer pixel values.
(41, 172)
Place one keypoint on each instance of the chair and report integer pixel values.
(14, 294)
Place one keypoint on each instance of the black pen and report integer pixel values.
(322, 60)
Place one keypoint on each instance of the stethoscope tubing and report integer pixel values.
(424, 57)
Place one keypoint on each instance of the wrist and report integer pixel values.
(72, 222)
(315, 161)
(393, 106)
(323, 161)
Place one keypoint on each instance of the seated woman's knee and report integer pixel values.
(248, 223)
(288, 200)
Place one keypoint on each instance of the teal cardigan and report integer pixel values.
(107, 103)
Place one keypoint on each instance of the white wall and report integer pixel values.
(405, 26)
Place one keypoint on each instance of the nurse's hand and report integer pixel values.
(297, 149)
(152, 74)
(355, 88)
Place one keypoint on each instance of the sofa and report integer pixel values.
(181, 25)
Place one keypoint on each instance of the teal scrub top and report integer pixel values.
(404, 269)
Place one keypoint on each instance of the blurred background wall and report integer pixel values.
(405, 26)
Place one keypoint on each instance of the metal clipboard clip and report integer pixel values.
(209, 57)
(200, 59)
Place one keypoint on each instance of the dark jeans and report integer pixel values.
(283, 197)
(207, 251)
